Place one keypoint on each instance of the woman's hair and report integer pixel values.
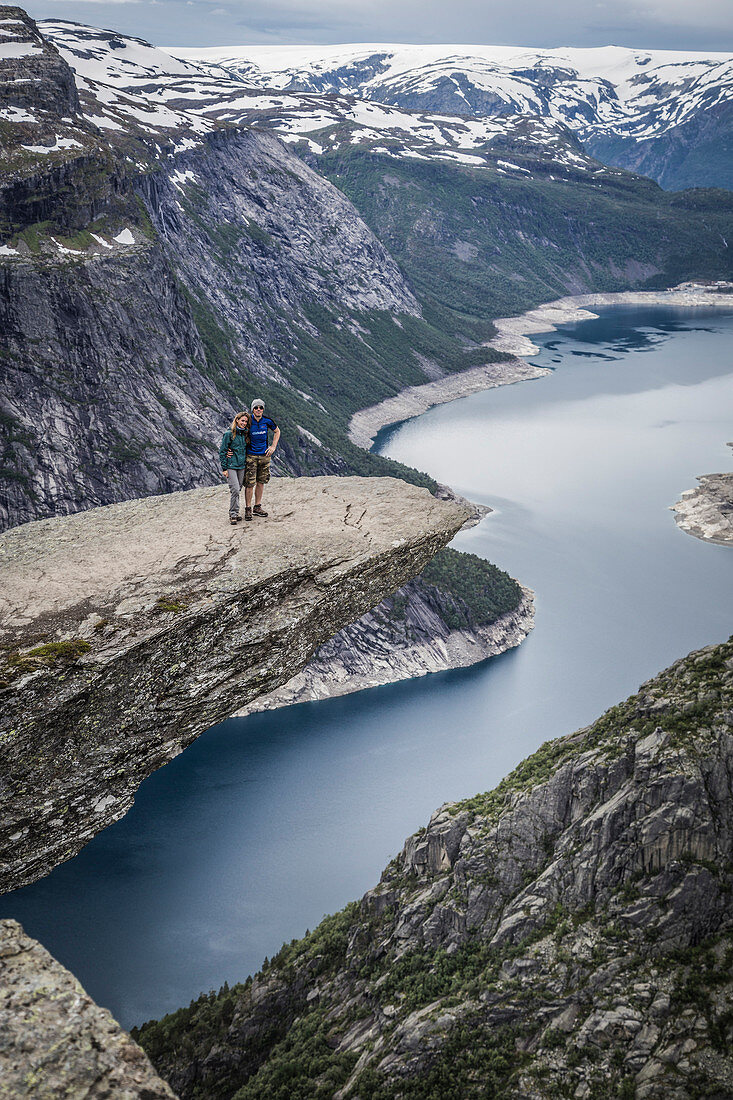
(234, 423)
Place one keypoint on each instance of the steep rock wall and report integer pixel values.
(56, 1040)
(407, 635)
(568, 933)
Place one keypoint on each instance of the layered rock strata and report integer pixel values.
(707, 511)
(55, 1040)
(406, 636)
(567, 934)
(129, 630)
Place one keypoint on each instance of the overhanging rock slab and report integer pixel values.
(129, 630)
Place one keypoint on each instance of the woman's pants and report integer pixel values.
(236, 480)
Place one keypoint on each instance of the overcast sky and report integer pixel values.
(661, 24)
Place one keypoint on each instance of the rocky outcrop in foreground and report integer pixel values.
(707, 511)
(55, 1040)
(128, 630)
(568, 934)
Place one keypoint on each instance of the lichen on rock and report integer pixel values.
(56, 1042)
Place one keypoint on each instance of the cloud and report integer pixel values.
(98, 3)
(648, 24)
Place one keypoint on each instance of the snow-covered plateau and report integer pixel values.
(656, 112)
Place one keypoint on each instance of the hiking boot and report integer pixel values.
(248, 513)
(233, 520)
(258, 510)
(238, 519)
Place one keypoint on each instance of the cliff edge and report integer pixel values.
(127, 631)
(56, 1040)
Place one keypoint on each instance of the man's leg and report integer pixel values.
(250, 475)
(263, 476)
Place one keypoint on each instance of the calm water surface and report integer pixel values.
(265, 824)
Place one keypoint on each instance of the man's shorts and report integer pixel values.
(256, 470)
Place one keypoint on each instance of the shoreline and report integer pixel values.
(326, 678)
(706, 512)
(389, 662)
(512, 338)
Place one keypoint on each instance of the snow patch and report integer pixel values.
(18, 49)
(60, 143)
(17, 114)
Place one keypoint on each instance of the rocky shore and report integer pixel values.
(512, 332)
(383, 647)
(414, 400)
(707, 511)
(512, 338)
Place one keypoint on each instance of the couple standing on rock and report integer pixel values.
(245, 458)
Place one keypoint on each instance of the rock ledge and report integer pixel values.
(129, 630)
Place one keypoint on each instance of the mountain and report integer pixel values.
(668, 115)
(165, 255)
(154, 280)
(567, 934)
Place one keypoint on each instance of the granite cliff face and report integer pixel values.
(567, 934)
(129, 630)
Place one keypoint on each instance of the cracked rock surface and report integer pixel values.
(129, 630)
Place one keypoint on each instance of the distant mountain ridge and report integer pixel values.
(665, 114)
(157, 240)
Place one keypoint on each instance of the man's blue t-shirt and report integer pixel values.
(258, 435)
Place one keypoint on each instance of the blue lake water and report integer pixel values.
(265, 824)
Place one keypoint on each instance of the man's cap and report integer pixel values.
(257, 401)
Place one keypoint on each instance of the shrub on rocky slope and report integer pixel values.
(567, 934)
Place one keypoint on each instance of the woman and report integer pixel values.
(233, 458)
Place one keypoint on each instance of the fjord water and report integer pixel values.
(267, 823)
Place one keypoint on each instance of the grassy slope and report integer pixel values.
(534, 239)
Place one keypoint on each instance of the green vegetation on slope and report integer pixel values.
(326, 420)
(482, 592)
(609, 974)
(527, 241)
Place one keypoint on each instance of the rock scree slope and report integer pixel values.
(129, 630)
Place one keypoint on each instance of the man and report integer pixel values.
(259, 453)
